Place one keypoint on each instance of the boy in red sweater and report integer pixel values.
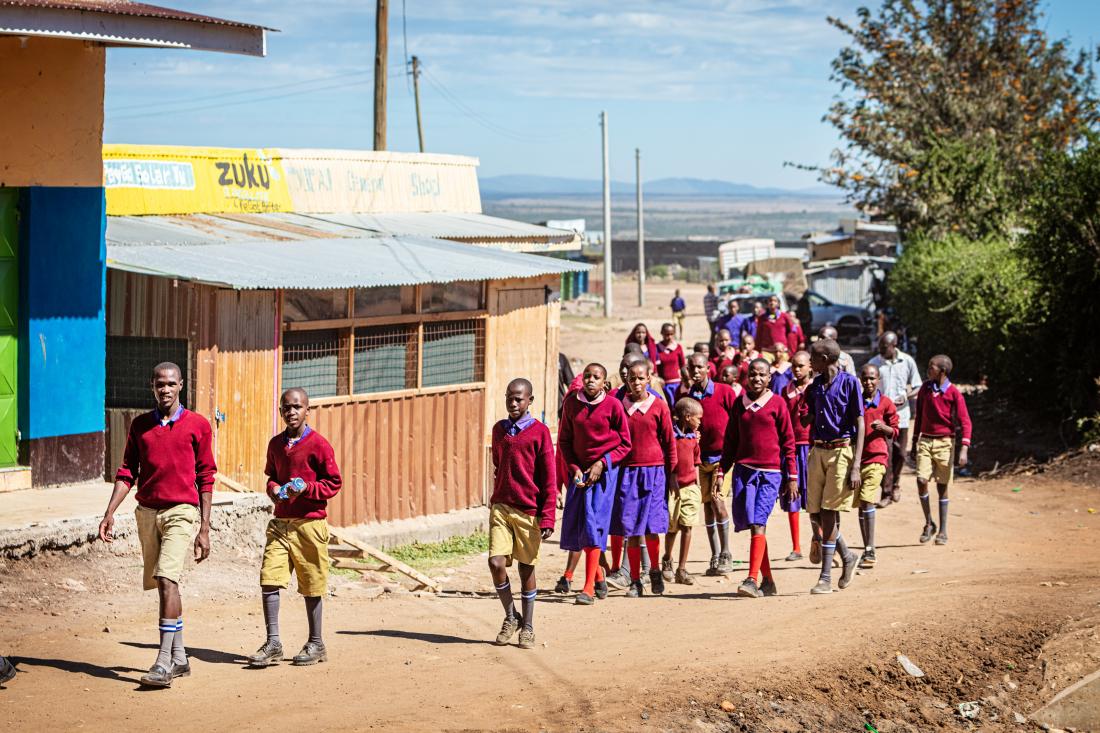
(940, 406)
(302, 476)
(880, 419)
(724, 353)
(594, 439)
(168, 454)
(759, 448)
(773, 326)
(673, 361)
(521, 513)
(802, 376)
(683, 494)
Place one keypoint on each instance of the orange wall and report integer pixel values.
(51, 112)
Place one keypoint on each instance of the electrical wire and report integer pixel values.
(486, 123)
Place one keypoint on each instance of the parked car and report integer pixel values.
(853, 323)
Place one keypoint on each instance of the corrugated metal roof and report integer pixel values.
(318, 264)
(125, 7)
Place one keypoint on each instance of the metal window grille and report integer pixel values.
(130, 362)
(313, 361)
(385, 359)
(454, 352)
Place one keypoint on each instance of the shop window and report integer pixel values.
(385, 359)
(313, 361)
(454, 352)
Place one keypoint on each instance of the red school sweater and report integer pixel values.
(172, 464)
(525, 475)
(672, 362)
(717, 401)
(794, 395)
(771, 332)
(759, 435)
(652, 442)
(310, 459)
(882, 408)
(589, 432)
(687, 459)
(938, 409)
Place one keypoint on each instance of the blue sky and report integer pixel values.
(726, 90)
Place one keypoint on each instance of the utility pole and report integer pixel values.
(641, 228)
(416, 95)
(381, 46)
(607, 276)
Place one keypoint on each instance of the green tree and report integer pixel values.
(947, 107)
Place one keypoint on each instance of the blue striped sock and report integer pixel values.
(943, 517)
(504, 592)
(179, 653)
(827, 550)
(529, 608)
(869, 537)
(167, 636)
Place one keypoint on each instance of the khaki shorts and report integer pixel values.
(678, 316)
(165, 536)
(827, 485)
(706, 483)
(936, 459)
(683, 508)
(872, 474)
(514, 535)
(301, 544)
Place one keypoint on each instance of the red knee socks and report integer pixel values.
(757, 548)
(634, 557)
(765, 563)
(591, 569)
(653, 546)
(616, 552)
(792, 517)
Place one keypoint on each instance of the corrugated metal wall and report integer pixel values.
(850, 285)
(406, 456)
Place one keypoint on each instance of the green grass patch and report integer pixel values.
(428, 555)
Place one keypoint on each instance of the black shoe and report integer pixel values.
(312, 653)
(850, 562)
(266, 655)
(928, 533)
(619, 579)
(7, 670)
(712, 569)
(725, 563)
(508, 629)
(656, 582)
(768, 588)
(636, 589)
(868, 560)
(181, 670)
(748, 589)
(601, 589)
(562, 586)
(157, 676)
(583, 599)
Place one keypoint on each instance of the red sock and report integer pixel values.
(757, 544)
(765, 563)
(634, 557)
(616, 552)
(568, 575)
(792, 517)
(591, 567)
(653, 545)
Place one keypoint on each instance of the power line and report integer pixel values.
(487, 124)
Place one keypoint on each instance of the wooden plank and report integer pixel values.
(397, 565)
(232, 485)
(383, 320)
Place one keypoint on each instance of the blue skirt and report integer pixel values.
(587, 514)
(801, 455)
(670, 393)
(641, 503)
(754, 496)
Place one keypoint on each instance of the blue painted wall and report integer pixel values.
(62, 331)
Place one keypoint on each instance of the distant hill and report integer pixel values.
(530, 185)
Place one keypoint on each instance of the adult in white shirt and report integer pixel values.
(899, 380)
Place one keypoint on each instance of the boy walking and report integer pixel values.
(302, 476)
(833, 408)
(683, 496)
(940, 407)
(671, 367)
(793, 505)
(522, 508)
(679, 311)
(168, 455)
(880, 418)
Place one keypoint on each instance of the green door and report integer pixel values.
(9, 325)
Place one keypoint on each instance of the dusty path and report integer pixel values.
(402, 662)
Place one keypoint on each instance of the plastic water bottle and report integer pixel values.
(294, 486)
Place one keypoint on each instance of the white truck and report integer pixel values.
(733, 256)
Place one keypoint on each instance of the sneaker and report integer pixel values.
(748, 589)
(850, 562)
(683, 577)
(884, 502)
(157, 676)
(312, 653)
(181, 670)
(526, 638)
(815, 551)
(941, 539)
(636, 589)
(601, 589)
(7, 670)
(794, 556)
(768, 588)
(867, 560)
(822, 587)
(619, 579)
(712, 569)
(562, 586)
(725, 563)
(266, 655)
(928, 533)
(583, 599)
(508, 629)
(656, 582)
(666, 569)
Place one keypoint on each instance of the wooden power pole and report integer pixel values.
(416, 95)
(607, 277)
(381, 46)
(641, 228)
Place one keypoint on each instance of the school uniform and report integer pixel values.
(717, 400)
(172, 462)
(717, 363)
(641, 506)
(297, 537)
(678, 307)
(649, 348)
(772, 329)
(670, 369)
(835, 408)
(876, 447)
(780, 379)
(621, 393)
(796, 339)
(759, 447)
(525, 489)
(939, 409)
(683, 505)
(793, 396)
(591, 430)
(743, 368)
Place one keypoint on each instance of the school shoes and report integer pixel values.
(768, 588)
(157, 676)
(748, 589)
(928, 533)
(822, 587)
(636, 589)
(601, 589)
(867, 560)
(725, 563)
(266, 655)
(884, 502)
(583, 599)
(181, 670)
(508, 629)
(7, 670)
(562, 586)
(849, 571)
(794, 556)
(941, 539)
(815, 551)
(619, 579)
(683, 577)
(666, 569)
(712, 569)
(312, 653)
(656, 582)
(526, 638)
